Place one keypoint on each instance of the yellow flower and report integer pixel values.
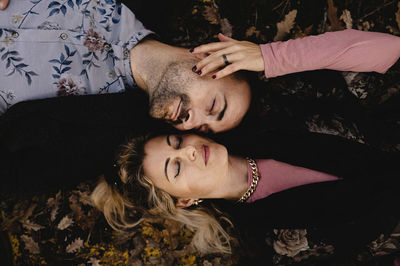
(149, 231)
(189, 260)
(152, 252)
(15, 246)
(107, 254)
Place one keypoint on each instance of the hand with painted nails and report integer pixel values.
(227, 56)
(3, 4)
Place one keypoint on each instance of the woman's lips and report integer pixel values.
(206, 154)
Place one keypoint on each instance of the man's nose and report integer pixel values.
(195, 120)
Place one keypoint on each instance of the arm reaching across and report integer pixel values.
(348, 50)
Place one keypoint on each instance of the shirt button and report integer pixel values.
(107, 47)
(126, 53)
(15, 34)
(63, 36)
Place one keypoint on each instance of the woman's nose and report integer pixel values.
(190, 152)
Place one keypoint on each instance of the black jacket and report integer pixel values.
(348, 212)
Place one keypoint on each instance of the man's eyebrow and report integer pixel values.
(221, 114)
(165, 168)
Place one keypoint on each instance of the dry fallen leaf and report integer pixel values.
(82, 220)
(84, 197)
(333, 18)
(28, 225)
(251, 31)
(94, 262)
(285, 25)
(74, 246)
(207, 263)
(346, 17)
(54, 211)
(29, 212)
(299, 33)
(365, 26)
(30, 244)
(226, 27)
(75, 205)
(65, 223)
(54, 204)
(216, 262)
(211, 14)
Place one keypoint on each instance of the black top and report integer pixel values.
(348, 212)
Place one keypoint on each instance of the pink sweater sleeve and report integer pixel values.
(348, 50)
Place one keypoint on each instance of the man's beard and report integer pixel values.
(161, 99)
(171, 86)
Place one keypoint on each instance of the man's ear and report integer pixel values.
(184, 203)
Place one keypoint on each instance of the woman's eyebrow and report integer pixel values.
(167, 161)
(166, 168)
(168, 142)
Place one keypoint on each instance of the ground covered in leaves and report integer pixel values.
(61, 228)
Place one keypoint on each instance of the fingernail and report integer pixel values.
(199, 72)
(214, 76)
(194, 68)
(191, 50)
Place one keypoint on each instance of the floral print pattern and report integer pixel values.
(67, 86)
(44, 40)
(7, 97)
(93, 41)
(14, 64)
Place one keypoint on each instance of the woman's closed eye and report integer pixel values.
(177, 141)
(177, 164)
(176, 144)
(173, 164)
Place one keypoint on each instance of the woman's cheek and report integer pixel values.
(196, 183)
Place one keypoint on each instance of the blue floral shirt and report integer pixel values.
(51, 48)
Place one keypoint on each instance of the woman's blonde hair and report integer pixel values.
(137, 199)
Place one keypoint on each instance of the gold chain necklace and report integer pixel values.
(255, 176)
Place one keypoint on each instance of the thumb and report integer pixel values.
(224, 38)
(3, 4)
